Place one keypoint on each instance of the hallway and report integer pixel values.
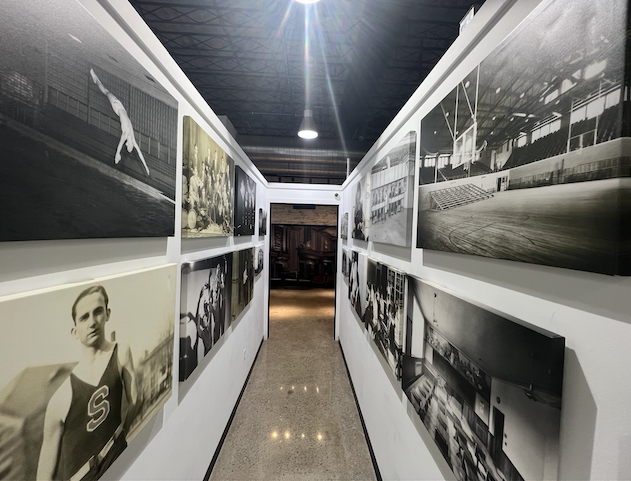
(297, 419)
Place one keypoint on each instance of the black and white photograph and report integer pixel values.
(242, 280)
(385, 312)
(262, 222)
(525, 159)
(357, 284)
(344, 226)
(244, 203)
(361, 208)
(207, 185)
(345, 265)
(392, 194)
(205, 312)
(486, 386)
(89, 136)
(88, 379)
(260, 260)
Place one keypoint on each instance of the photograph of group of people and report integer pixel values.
(205, 313)
(207, 185)
(89, 378)
(244, 204)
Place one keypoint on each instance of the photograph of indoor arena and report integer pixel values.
(88, 137)
(486, 387)
(526, 159)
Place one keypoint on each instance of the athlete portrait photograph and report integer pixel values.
(98, 366)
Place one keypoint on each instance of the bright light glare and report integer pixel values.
(308, 134)
(307, 2)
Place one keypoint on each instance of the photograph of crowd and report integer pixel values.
(384, 312)
(89, 378)
(486, 387)
(526, 158)
(242, 280)
(205, 312)
(207, 185)
(392, 194)
(244, 204)
(89, 136)
(361, 208)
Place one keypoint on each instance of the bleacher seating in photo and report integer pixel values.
(457, 196)
(609, 124)
(543, 148)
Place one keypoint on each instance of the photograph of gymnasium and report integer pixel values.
(392, 194)
(205, 312)
(525, 159)
(244, 204)
(361, 208)
(242, 280)
(262, 222)
(90, 376)
(357, 283)
(344, 226)
(384, 312)
(486, 387)
(89, 138)
(207, 185)
(260, 259)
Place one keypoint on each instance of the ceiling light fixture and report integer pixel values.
(308, 128)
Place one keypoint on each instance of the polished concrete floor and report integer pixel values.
(297, 419)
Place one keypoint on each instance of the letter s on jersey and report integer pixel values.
(98, 408)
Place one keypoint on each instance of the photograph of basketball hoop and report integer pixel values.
(90, 376)
(361, 208)
(486, 387)
(526, 158)
(344, 226)
(242, 280)
(244, 204)
(89, 136)
(384, 312)
(205, 312)
(207, 185)
(392, 194)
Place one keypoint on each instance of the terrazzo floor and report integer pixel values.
(297, 419)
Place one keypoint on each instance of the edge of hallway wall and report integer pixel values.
(234, 411)
(361, 418)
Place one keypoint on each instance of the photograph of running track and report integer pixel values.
(88, 137)
(528, 158)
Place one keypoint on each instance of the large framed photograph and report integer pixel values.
(385, 312)
(244, 204)
(207, 185)
(357, 283)
(361, 208)
(392, 194)
(90, 134)
(242, 280)
(205, 312)
(486, 386)
(89, 376)
(525, 159)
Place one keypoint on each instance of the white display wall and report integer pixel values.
(179, 442)
(590, 310)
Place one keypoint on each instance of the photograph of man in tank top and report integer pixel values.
(84, 424)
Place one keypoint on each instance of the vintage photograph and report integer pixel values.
(205, 312)
(361, 208)
(262, 222)
(345, 264)
(357, 283)
(487, 387)
(242, 280)
(525, 159)
(90, 136)
(260, 259)
(207, 185)
(384, 312)
(344, 226)
(89, 377)
(392, 194)
(244, 204)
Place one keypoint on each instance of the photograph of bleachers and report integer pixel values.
(546, 110)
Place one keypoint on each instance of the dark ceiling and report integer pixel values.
(247, 59)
